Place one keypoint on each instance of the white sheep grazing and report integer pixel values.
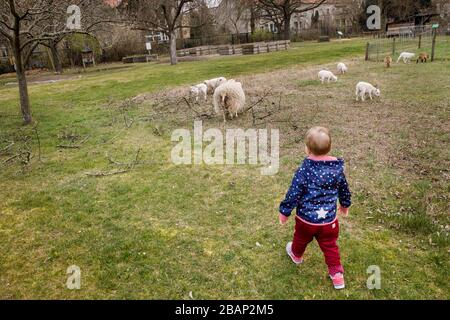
(199, 90)
(327, 75)
(365, 88)
(212, 84)
(406, 56)
(229, 98)
(342, 68)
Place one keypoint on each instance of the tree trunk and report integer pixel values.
(287, 28)
(23, 87)
(252, 20)
(56, 60)
(20, 73)
(173, 48)
(236, 28)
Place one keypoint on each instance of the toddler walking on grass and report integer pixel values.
(317, 185)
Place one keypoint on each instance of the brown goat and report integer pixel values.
(423, 57)
(388, 61)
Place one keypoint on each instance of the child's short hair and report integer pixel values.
(318, 141)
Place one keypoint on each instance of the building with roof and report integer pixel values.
(333, 14)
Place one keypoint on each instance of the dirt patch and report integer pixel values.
(39, 76)
(47, 79)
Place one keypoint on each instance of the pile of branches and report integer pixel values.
(19, 148)
(176, 108)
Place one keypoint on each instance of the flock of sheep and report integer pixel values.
(363, 89)
(229, 96)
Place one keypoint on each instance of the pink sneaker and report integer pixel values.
(291, 254)
(338, 281)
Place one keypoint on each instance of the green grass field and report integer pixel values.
(163, 231)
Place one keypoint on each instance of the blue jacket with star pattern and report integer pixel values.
(315, 189)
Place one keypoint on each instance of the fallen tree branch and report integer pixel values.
(112, 161)
(105, 174)
(7, 147)
(73, 146)
(190, 107)
(264, 117)
(62, 146)
(130, 166)
(200, 115)
(265, 95)
(27, 153)
(11, 158)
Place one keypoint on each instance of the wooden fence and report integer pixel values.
(264, 47)
(250, 48)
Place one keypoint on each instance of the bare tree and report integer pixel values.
(203, 22)
(443, 9)
(95, 16)
(356, 13)
(28, 23)
(164, 16)
(280, 12)
(235, 13)
(254, 14)
(403, 10)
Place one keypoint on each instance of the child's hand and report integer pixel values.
(283, 219)
(343, 211)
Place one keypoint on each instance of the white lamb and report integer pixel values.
(406, 56)
(365, 88)
(327, 75)
(229, 98)
(199, 90)
(342, 68)
(212, 84)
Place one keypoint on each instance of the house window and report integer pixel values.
(157, 36)
(272, 27)
(296, 25)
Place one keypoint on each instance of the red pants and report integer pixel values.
(326, 236)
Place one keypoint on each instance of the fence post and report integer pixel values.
(393, 46)
(420, 41)
(433, 46)
(367, 51)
